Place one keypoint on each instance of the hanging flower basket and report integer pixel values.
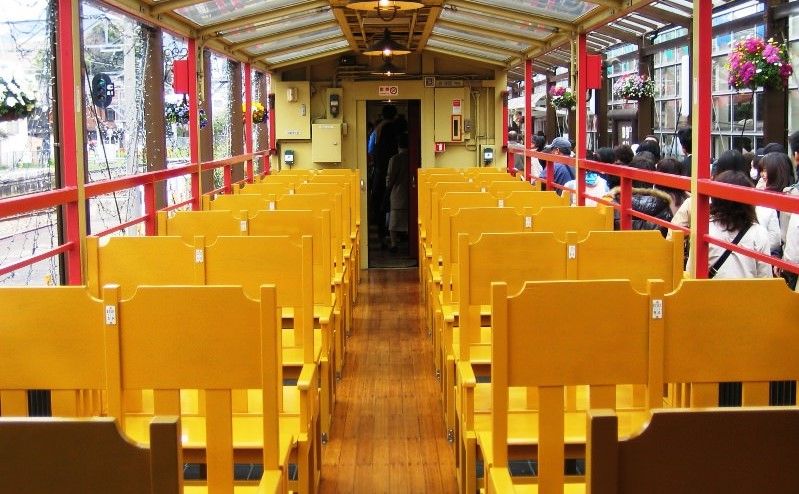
(178, 113)
(562, 97)
(14, 102)
(258, 112)
(634, 87)
(756, 63)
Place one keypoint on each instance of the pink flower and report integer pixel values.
(735, 60)
(747, 72)
(771, 53)
(753, 45)
(786, 70)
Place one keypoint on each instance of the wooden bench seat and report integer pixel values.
(46, 455)
(169, 338)
(247, 433)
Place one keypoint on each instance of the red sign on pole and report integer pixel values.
(180, 76)
(441, 147)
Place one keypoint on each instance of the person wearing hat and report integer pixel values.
(561, 173)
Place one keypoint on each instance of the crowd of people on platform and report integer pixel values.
(759, 228)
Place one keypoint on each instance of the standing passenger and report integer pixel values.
(397, 188)
(736, 222)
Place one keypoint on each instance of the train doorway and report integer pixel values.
(395, 123)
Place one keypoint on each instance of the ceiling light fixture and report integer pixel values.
(386, 9)
(388, 69)
(386, 47)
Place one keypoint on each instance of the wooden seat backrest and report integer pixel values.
(209, 224)
(450, 203)
(636, 255)
(426, 181)
(51, 339)
(712, 335)
(458, 183)
(89, 455)
(486, 259)
(266, 188)
(556, 334)
(581, 220)
(746, 451)
(318, 202)
(283, 261)
(296, 223)
(133, 261)
(238, 202)
(341, 190)
(293, 177)
(473, 222)
(534, 199)
(437, 193)
(353, 177)
(502, 188)
(170, 338)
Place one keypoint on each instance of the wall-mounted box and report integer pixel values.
(326, 143)
(451, 109)
(292, 118)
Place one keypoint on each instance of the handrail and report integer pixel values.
(69, 195)
(705, 187)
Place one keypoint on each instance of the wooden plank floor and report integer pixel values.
(388, 432)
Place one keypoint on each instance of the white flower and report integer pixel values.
(11, 101)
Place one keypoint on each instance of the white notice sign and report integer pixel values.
(387, 91)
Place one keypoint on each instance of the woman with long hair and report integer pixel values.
(731, 221)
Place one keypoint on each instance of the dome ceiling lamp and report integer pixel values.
(386, 9)
(386, 47)
(388, 69)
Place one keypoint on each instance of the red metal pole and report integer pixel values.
(508, 156)
(582, 114)
(626, 202)
(70, 103)
(703, 37)
(149, 208)
(194, 127)
(248, 119)
(528, 115)
(267, 168)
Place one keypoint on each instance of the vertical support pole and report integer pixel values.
(626, 203)
(504, 133)
(154, 124)
(204, 98)
(150, 208)
(237, 124)
(700, 112)
(646, 106)
(775, 101)
(528, 115)
(70, 132)
(603, 138)
(194, 127)
(248, 120)
(552, 130)
(581, 115)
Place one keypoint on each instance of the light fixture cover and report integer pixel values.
(388, 69)
(386, 47)
(384, 5)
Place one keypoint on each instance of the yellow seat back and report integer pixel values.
(556, 334)
(209, 224)
(51, 338)
(133, 261)
(712, 335)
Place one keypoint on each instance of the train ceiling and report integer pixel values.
(279, 33)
